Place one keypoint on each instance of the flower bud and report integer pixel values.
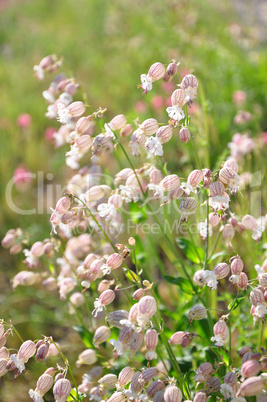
(200, 397)
(138, 294)
(115, 317)
(84, 143)
(109, 381)
(88, 356)
(126, 130)
(244, 350)
(3, 367)
(228, 232)
(216, 189)
(9, 240)
(76, 109)
(204, 372)
(44, 383)
(237, 266)
(82, 125)
(189, 81)
(159, 396)
(50, 371)
(4, 353)
(252, 386)
(102, 334)
(125, 376)
(107, 297)
(187, 339)
(250, 222)
(170, 72)
(150, 126)
(116, 200)
(118, 122)
(232, 164)
(131, 241)
(242, 281)
(164, 134)
(172, 394)
(61, 390)
(155, 387)
(170, 182)
(221, 270)
(213, 384)
(148, 374)
(103, 285)
(156, 71)
(117, 397)
(195, 177)
(214, 219)
(26, 350)
(177, 98)
(151, 341)
(15, 249)
(197, 312)
(136, 385)
(263, 280)
(42, 352)
(250, 368)
(147, 306)
(114, 261)
(176, 339)
(184, 135)
(77, 299)
(256, 297)
(188, 206)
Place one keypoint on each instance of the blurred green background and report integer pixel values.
(106, 45)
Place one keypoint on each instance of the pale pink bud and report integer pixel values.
(37, 249)
(214, 384)
(27, 350)
(228, 232)
(176, 193)
(221, 270)
(9, 240)
(177, 98)
(59, 376)
(3, 367)
(103, 285)
(159, 396)
(50, 371)
(156, 71)
(2, 330)
(108, 381)
(244, 350)
(237, 266)
(118, 122)
(101, 143)
(102, 334)
(88, 357)
(184, 135)
(126, 131)
(204, 372)
(95, 268)
(195, 177)
(107, 297)
(214, 219)
(132, 181)
(4, 353)
(200, 397)
(77, 299)
(76, 109)
(250, 368)
(155, 387)
(114, 260)
(63, 205)
(170, 72)
(133, 313)
(95, 193)
(61, 390)
(147, 306)
(15, 249)
(188, 206)
(136, 342)
(150, 126)
(41, 352)
(252, 386)
(189, 81)
(256, 297)
(263, 280)
(44, 383)
(187, 339)
(249, 222)
(116, 200)
(151, 339)
(197, 312)
(164, 134)
(115, 317)
(230, 378)
(138, 294)
(155, 176)
(227, 175)
(117, 397)
(84, 143)
(170, 182)
(217, 189)
(242, 283)
(246, 357)
(148, 374)
(10, 365)
(136, 385)
(50, 283)
(232, 164)
(125, 376)
(176, 339)
(82, 125)
(131, 241)
(172, 394)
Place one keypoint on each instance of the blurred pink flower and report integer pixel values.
(264, 137)
(242, 117)
(157, 102)
(22, 176)
(241, 145)
(239, 97)
(140, 106)
(168, 86)
(49, 133)
(24, 120)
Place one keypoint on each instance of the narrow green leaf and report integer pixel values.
(85, 335)
(184, 284)
(235, 303)
(193, 253)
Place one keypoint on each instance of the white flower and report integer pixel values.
(51, 112)
(98, 306)
(74, 152)
(63, 114)
(202, 227)
(146, 83)
(107, 211)
(72, 163)
(259, 269)
(175, 113)
(48, 96)
(109, 132)
(151, 355)
(35, 396)
(39, 72)
(135, 149)
(210, 279)
(19, 363)
(30, 260)
(154, 146)
(257, 233)
(66, 98)
(128, 324)
(158, 191)
(219, 202)
(188, 188)
(227, 391)
(218, 339)
(118, 346)
(260, 310)
(128, 193)
(234, 279)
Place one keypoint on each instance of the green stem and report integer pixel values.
(207, 238)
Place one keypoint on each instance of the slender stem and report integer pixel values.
(207, 238)
(215, 244)
(230, 339)
(260, 335)
(192, 142)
